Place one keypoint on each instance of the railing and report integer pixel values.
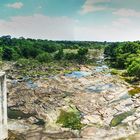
(3, 107)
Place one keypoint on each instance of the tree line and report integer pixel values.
(44, 50)
(125, 55)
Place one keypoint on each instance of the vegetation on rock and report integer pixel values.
(135, 90)
(70, 120)
(119, 118)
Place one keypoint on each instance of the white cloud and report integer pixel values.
(91, 6)
(127, 13)
(16, 5)
(64, 28)
(122, 29)
(39, 26)
(121, 22)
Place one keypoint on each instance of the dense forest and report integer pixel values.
(44, 50)
(121, 55)
(125, 55)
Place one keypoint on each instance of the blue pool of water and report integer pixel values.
(101, 68)
(31, 85)
(78, 74)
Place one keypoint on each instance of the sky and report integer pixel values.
(90, 20)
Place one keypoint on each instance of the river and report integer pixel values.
(108, 111)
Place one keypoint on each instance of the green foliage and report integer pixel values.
(21, 48)
(70, 120)
(30, 52)
(59, 55)
(70, 56)
(82, 51)
(1, 53)
(42, 50)
(9, 54)
(25, 63)
(44, 57)
(114, 72)
(80, 56)
(130, 59)
(134, 68)
(125, 55)
(135, 90)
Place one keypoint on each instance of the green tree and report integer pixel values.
(8, 54)
(44, 57)
(134, 68)
(83, 51)
(81, 56)
(1, 53)
(70, 56)
(59, 55)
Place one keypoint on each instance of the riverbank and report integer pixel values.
(107, 111)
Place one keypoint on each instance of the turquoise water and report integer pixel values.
(101, 68)
(31, 84)
(78, 74)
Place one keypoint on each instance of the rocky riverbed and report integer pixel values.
(107, 110)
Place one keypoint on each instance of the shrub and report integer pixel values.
(44, 57)
(82, 51)
(114, 72)
(59, 55)
(134, 68)
(27, 63)
(135, 90)
(70, 120)
(9, 54)
(70, 56)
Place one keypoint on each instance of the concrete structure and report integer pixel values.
(3, 107)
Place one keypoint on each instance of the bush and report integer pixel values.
(59, 55)
(81, 56)
(27, 63)
(134, 68)
(135, 90)
(70, 56)
(9, 54)
(82, 51)
(70, 120)
(44, 57)
(114, 72)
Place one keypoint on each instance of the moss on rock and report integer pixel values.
(70, 120)
(119, 118)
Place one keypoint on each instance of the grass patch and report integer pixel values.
(135, 90)
(70, 120)
(114, 72)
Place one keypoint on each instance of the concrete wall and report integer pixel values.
(3, 107)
